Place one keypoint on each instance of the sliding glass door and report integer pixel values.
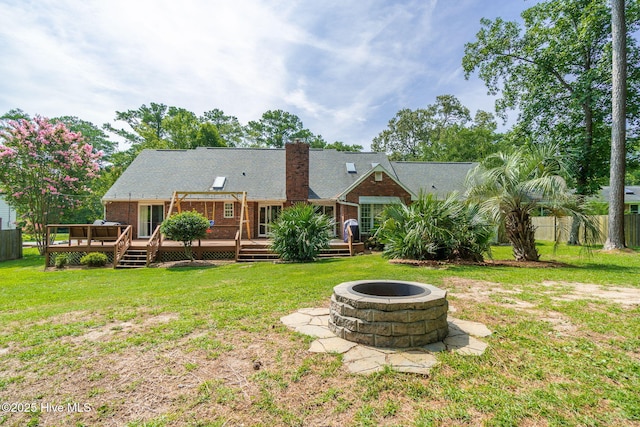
(150, 216)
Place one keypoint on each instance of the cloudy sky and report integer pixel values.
(345, 67)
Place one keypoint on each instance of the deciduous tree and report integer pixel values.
(442, 131)
(275, 128)
(229, 128)
(91, 133)
(556, 71)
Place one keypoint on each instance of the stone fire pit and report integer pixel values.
(389, 313)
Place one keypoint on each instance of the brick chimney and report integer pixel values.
(297, 172)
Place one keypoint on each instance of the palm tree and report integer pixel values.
(512, 186)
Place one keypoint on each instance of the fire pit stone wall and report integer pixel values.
(389, 313)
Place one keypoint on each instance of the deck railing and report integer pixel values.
(86, 232)
(153, 245)
(238, 241)
(121, 245)
(350, 240)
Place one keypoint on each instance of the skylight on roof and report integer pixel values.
(351, 168)
(218, 183)
(628, 191)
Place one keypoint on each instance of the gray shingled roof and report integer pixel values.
(631, 194)
(328, 176)
(433, 177)
(155, 174)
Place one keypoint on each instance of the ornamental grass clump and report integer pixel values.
(432, 229)
(185, 227)
(300, 233)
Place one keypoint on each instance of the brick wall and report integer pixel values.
(124, 213)
(371, 187)
(297, 172)
(387, 187)
(224, 228)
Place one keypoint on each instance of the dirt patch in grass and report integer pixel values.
(252, 378)
(467, 293)
(624, 296)
(104, 332)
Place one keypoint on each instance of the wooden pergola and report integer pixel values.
(205, 196)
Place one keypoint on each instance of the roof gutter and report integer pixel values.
(342, 202)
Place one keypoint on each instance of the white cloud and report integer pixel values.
(344, 67)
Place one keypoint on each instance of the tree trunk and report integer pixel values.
(521, 234)
(615, 237)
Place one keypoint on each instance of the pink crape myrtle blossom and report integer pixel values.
(44, 168)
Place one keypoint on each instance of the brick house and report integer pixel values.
(343, 185)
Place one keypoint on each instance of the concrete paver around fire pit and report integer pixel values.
(463, 338)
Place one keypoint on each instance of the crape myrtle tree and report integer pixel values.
(45, 170)
(90, 207)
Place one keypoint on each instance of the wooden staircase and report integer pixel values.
(256, 251)
(335, 251)
(133, 258)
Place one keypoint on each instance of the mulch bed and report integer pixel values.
(486, 263)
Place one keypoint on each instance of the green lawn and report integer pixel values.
(205, 347)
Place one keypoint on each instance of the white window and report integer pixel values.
(369, 214)
(228, 210)
(378, 176)
(370, 209)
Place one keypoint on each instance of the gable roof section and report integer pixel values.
(376, 168)
(439, 178)
(328, 176)
(155, 174)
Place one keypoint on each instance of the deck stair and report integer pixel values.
(335, 250)
(256, 252)
(133, 258)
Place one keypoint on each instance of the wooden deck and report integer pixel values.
(169, 250)
(170, 245)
